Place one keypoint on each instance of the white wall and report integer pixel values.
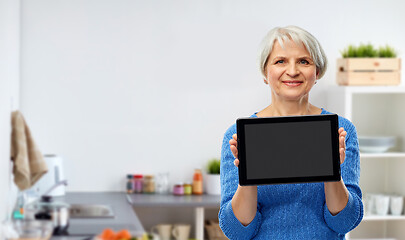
(9, 88)
(127, 86)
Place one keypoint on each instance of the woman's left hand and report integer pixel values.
(342, 144)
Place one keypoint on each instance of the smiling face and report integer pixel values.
(290, 71)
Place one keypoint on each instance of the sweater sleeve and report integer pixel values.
(347, 219)
(228, 222)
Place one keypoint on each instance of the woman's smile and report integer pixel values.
(292, 83)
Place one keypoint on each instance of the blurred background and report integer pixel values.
(131, 86)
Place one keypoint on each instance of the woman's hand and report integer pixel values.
(342, 144)
(244, 202)
(336, 193)
(234, 148)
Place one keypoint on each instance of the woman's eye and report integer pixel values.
(279, 61)
(303, 61)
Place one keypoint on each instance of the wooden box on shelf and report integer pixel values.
(214, 231)
(368, 71)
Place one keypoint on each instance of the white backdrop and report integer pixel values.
(9, 85)
(119, 87)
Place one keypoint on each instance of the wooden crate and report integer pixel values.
(368, 71)
(214, 232)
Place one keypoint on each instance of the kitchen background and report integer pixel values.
(119, 87)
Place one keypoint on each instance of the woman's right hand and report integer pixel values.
(244, 202)
(234, 148)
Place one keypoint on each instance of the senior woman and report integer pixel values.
(291, 62)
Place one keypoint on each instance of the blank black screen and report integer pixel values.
(293, 149)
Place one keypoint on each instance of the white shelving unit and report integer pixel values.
(377, 110)
(383, 218)
(383, 155)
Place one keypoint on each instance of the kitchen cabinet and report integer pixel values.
(377, 110)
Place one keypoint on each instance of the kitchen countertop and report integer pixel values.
(169, 200)
(124, 215)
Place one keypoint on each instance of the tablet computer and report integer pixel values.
(293, 149)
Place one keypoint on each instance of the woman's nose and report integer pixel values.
(292, 70)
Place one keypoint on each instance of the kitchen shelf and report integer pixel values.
(382, 218)
(341, 99)
(370, 89)
(170, 200)
(376, 110)
(383, 155)
(198, 202)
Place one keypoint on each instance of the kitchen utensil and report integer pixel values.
(382, 203)
(54, 175)
(7, 230)
(162, 183)
(47, 209)
(376, 144)
(396, 204)
(369, 204)
(181, 231)
(163, 230)
(31, 229)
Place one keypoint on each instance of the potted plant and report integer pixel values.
(212, 182)
(366, 65)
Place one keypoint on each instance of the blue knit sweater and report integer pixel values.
(293, 211)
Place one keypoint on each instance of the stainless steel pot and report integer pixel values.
(57, 212)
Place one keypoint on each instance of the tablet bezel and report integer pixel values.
(240, 126)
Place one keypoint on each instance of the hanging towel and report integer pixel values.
(29, 165)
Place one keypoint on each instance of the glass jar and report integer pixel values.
(130, 184)
(149, 184)
(178, 189)
(138, 183)
(188, 189)
(162, 183)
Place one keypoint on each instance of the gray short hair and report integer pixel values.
(297, 35)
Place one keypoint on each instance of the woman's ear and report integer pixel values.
(265, 81)
(317, 77)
